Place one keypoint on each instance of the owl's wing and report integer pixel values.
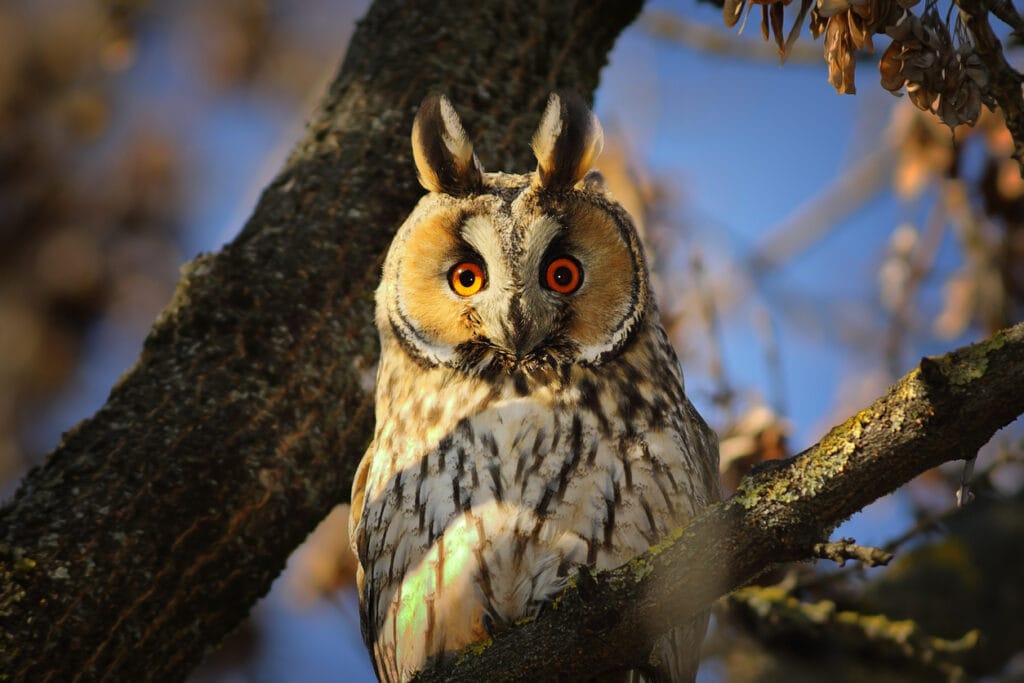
(355, 517)
(360, 546)
(707, 472)
(677, 653)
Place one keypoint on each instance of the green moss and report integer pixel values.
(477, 648)
(640, 568)
(570, 586)
(910, 388)
(876, 626)
(474, 650)
(24, 564)
(963, 369)
(666, 543)
(809, 473)
(971, 363)
(774, 604)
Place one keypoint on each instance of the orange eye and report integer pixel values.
(563, 275)
(466, 278)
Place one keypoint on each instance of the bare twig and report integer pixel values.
(677, 29)
(847, 549)
(933, 521)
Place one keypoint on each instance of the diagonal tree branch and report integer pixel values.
(943, 410)
(155, 525)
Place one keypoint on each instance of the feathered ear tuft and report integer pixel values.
(567, 142)
(442, 150)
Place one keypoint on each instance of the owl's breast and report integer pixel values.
(477, 518)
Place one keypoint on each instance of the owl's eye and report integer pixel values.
(563, 275)
(466, 278)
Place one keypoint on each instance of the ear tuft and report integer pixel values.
(594, 181)
(442, 150)
(567, 142)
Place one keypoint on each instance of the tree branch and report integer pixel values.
(155, 525)
(846, 549)
(944, 410)
(779, 611)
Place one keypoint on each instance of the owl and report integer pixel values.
(530, 410)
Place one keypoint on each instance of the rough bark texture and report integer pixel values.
(944, 410)
(155, 525)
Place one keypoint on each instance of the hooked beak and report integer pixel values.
(520, 331)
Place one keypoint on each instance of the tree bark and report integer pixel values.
(944, 410)
(153, 527)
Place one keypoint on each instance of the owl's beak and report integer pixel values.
(520, 331)
(521, 341)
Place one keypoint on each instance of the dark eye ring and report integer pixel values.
(563, 274)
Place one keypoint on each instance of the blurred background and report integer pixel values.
(809, 248)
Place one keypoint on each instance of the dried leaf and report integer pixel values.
(856, 30)
(891, 68)
(921, 96)
(794, 32)
(777, 17)
(839, 55)
(731, 11)
(976, 70)
(903, 30)
(830, 8)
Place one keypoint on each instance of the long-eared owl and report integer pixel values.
(530, 409)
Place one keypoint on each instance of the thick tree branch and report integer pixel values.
(153, 527)
(944, 410)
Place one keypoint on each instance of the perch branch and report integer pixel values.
(943, 410)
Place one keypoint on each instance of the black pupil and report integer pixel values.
(467, 277)
(563, 276)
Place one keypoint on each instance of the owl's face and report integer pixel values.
(495, 272)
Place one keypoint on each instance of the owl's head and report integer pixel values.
(494, 272)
